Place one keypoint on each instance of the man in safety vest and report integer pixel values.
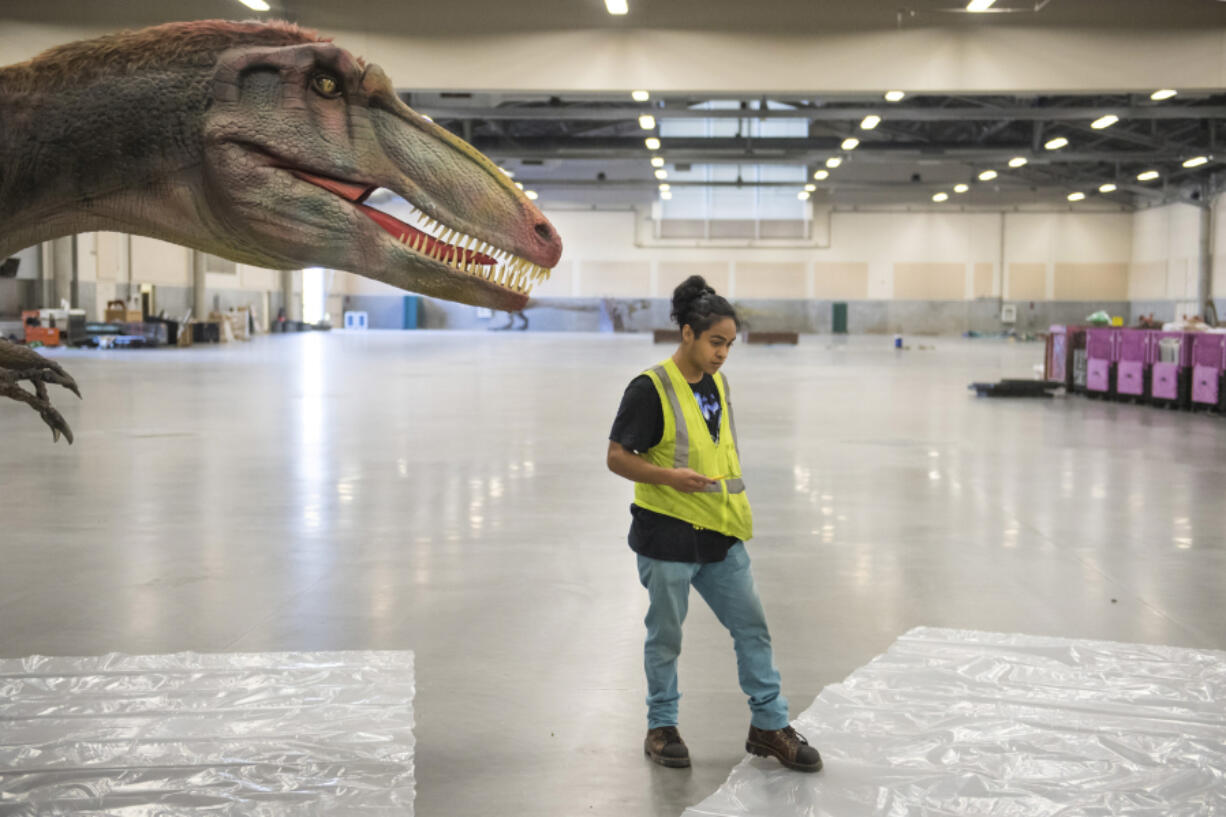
(675, 438)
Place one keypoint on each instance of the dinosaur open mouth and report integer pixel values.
(434, 240)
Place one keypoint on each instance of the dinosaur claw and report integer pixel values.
(20, 363)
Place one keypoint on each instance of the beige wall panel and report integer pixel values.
(1147, 280)
(627, 279)
(159, 262)
(672, 273)
(761, 279)
(840, 280)
(1027, 282)
(107, 245)
(930, 281)
(560, 284)
(983, 280)
(1091, 282)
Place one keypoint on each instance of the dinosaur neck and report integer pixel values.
(96, 157)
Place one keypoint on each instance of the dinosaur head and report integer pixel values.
(297, 137)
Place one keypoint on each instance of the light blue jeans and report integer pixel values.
(728, 589)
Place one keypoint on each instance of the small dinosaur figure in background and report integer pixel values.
(257, 142)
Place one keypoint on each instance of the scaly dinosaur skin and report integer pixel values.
(259, 143)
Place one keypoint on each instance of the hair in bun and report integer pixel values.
(696, 305)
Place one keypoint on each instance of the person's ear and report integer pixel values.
(687, 333)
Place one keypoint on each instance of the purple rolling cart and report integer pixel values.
(1101, 349)
(1208, 363)
(1132, 368)
(1171, 368)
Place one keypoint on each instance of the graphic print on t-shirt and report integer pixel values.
(708, 402)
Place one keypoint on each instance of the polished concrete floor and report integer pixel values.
(446, 493)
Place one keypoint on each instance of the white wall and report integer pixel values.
(855, 256)
(1166, 255)
(1048, 256)
(973, 59)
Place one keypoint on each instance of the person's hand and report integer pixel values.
(687, 481)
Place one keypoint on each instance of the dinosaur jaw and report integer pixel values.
(504, 279)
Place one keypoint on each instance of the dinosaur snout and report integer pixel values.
(548, 241)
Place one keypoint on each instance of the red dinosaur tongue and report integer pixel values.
(402, 232)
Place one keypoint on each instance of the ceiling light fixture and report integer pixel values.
(531, 194)
(987, 175)
(1104, 121)
(647, 122)
(1165, 93)
(811, 187)
(666, 195)
(520, 185)
(661, 174)
(640, 96)
(979, 5)
(652, 143)
(894, 96)
(616, 6)
(1148, 176)
(1107, 188)
(851, 143)
(939, 197)
(665, 186)
(657, 161)
(871, 121)
(834, 161)
(509, 173)
(255, 5)
(1056, 144)
(1196, 161)
(1018, 161)
(1078, 196)
(803, 195)
(821, 175)
(961, 188)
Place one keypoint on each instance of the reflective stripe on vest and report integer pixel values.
(681, 453)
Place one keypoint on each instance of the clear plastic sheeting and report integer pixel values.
(953, 722)
(256, 735)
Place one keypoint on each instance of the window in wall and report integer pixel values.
(764, 205)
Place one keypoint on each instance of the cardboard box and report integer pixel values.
(120, 312)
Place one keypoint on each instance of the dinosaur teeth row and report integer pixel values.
(452, 247)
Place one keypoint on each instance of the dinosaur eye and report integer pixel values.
(326, 85)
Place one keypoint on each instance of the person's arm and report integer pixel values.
(625, 463)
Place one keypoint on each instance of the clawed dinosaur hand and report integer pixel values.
(19, 363)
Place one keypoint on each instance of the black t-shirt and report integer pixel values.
(639, 425)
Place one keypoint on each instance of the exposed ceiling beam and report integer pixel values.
(799, 151)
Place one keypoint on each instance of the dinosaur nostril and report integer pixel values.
(544, 232)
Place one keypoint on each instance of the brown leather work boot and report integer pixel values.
(665, 746)
(787, 745)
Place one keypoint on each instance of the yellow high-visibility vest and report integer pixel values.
(687, 443)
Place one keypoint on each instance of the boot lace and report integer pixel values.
(792, 734)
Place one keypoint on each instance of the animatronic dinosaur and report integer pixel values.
(259, 143)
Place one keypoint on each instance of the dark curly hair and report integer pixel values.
(696, 305)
